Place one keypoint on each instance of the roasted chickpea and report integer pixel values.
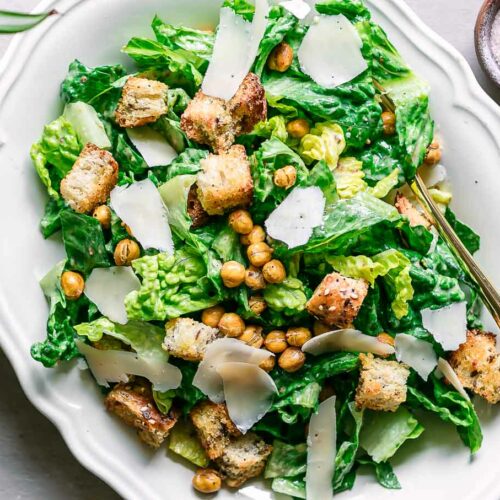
(231, 325)
(281, 57)
(232, 274)
(259, 254)
(292, 359)
(285, 177)
(433, 156)
(256, 235)
(298, 128)
(274, 271)
(241, 221)
(207, 481)
(212, 316)
(126, 251)
(103, 214)
(72, 285)
(252, 336)
(257, 304)
(319, 328)
(275, 341)
(298, 336)
(268, 364)
(389, 122)
(254, 278)
(385, 338)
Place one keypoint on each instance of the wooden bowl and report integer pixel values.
(482, 38)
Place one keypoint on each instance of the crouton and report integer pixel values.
(214, 427)
(90, 180)
(207, 120)
(337, 300)
(248, 106)
(225, 181)
(244, 458)
(216, 122)
(477, 365)
(143, 101)
(188, 339)
(382, 384)
(405, 207)
(195, 209)
(134, 404)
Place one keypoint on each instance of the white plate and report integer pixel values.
(94, 31)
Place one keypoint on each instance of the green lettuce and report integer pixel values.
(383, 472)
(51, 220)
(449, 406)
(469, 238)
(84, 242)
(396, 428)
(144, 338)
(172, 285)
(60, 343)
(286, 460)
(324, 142)
(354, 10)
(288, 297)
(55, 154)
(185, 442)
(99, 86)
(164, 400)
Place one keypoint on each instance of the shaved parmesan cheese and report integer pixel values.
(330, 52)
(447, 325)
(153, 147)
(107, 289)
(248, 391)
(416, 353)
(140, 206)
(321, 451)
(235, 49)
(298, 8)
(115, 366)
(174, 194)
(446, 369)
(346, 340)
(221, 351)
(295, 218)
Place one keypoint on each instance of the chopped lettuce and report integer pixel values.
(288, 297)
(185, 443)
(172, 285)
(469, 238)
(396, 428)
(84, 242)
(55, 154)
(286, 460)
(324, 142)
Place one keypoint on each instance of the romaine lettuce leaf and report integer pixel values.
(172, 285)
(286, 460)
(55, 154)
(325, 142)
(288, 297)
(469, 237)
(51, 220)
(84, 242)
(383, 472)
(185, 442)
(396, 428)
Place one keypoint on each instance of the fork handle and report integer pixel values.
(487, 291)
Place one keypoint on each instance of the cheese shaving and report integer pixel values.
(153, 147)
(446, 369)
(416, 353)
(447, 325)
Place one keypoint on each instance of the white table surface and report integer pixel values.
(34, 460)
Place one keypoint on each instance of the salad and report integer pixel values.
(248, 276)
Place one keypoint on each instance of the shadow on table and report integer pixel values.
(34, 460)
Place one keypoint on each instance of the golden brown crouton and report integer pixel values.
(216, 122)
(188, 339)
(244, 458)
(134, 404)
(248, 106)
(195, 209)
(90, 180)
(225, 181)
(477, 365)
(337, 300)
(382, 384)
(143, 101)
(214, 427)
(405, 207)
